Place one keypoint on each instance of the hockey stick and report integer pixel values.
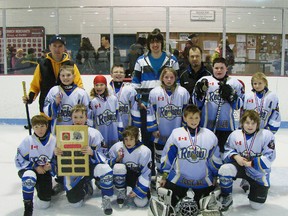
(217, 114)
(26, 105)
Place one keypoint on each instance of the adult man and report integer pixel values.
(218, 96)
(146, 76)
(194, 71)
(103, 56)
(46, 72)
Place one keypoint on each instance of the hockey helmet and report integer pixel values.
(187, 207)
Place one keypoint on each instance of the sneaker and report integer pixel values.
(106, 205)
(244, 184)
(226, 201)
(58, 188)
(121, 196)
(28, 206)
(88, 188)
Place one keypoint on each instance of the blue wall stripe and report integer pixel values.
(284, 124)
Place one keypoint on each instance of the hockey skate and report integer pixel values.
(28, 205)
(106, 205)
(88, 188)
(121, 196)
(58, 188)
(226, 201)
(244, 184)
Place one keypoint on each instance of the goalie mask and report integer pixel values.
(186, 207)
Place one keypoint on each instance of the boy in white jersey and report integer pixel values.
(60, 99)
(131, 162)
(164, 112)
(124, 92)
(78, 186)
(190, 159)
(35, 164)
(249, 153)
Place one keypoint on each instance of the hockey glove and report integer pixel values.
(227, 92)
(30, 97)
(201, 88)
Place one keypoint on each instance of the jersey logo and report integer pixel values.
(192, 154)
(170, 112)
(65, 113)
(41, 160)
(215, 97)
(106, 118)
(160, 98)
(123, 108)
(132, 166)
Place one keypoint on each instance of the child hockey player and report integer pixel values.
(248, 154)
(60, 99)
(35, 164)
(190, 159)
(218, 96)
(131, 162)
(264, 102)
(78, 186)
(124, 92)
(166, 103)
(104, 111)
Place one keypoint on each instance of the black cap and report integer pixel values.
(58, 38)
(192, 36)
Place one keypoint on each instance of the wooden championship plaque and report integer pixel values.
(70, 139)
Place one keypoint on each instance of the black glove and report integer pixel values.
(201, 88)
(30, 97)
(227, 92)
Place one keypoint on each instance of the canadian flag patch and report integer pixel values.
(34, 147)
(250, 100)
(182, 138)
(160, 98)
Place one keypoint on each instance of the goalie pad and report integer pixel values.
(162, 206)
(210, 205)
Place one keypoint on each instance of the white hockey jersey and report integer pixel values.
(209, 105)
(126, 98)
(258, 148)
(137, 160)
(32, 152)
(191, 161)
(105, 118)
(266, 104)
(61, 115)
(165, 111)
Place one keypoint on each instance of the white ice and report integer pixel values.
(11, 196)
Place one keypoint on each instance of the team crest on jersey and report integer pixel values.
(192, 154)
(106, 118)
(41, 160)
(106, 180)
(215, 97)
(65, 113)
(132, 166)
(263, 114)
(123, 108)
(170, 112)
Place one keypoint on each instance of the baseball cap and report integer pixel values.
(58, 38)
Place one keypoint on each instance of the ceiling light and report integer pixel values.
(29, 9)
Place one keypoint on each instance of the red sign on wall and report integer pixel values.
(23, 38)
